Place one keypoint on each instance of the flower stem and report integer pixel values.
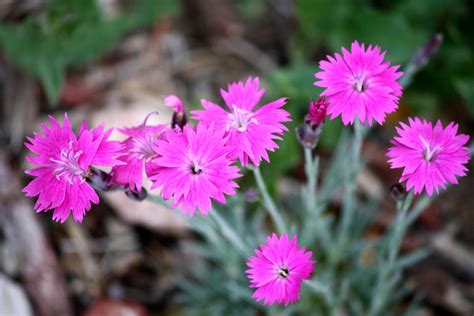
(311, 168)
(399, 227)
(228, 232)
(222, 225)
(268, 202)
(315, 226)
(350, 192)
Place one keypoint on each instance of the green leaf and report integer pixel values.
(71, 32)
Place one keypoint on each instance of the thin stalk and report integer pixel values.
(311, 167)
(268, 201)
(226, 229)
(350, 192)
(388, 268)
(315, 224)
(229, 232)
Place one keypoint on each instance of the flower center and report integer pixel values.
(196, 167)
(429, 152)
(360, 83)
(67, 166)
(142, 146)
(240, 119)
(283, 272)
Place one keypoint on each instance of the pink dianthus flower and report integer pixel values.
(430, 156)
(140, 152)
(359, 84)
(250, 131)
(193, 167)
(278, 270)
(64, 162)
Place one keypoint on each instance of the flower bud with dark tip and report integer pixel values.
(308, 133)
(179, 114)
(98, 179)
(424, 54)
(179, 120)
(397, 191)
(136, 196)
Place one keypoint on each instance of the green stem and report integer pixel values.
(268, 202)
(388, 268)
(316, 226)
(350, 192)
(228, 232)
(311, 168)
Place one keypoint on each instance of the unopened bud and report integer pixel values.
(179, 115)
(308, 133)
(179, 120)
(173, 102)
(98, 179)
(307, 136)
(397, 191)
(136, 195)
(424, 54)
(317, 112)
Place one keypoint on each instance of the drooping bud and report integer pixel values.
(308, 133)
(136, 195)
(179, 115)
(173, 102)
(397, 191)
(98, 179)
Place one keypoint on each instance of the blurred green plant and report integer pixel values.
(70, 33)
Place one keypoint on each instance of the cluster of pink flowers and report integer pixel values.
(195, 165)
(360, 85)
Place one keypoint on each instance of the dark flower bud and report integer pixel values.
(136, 195)
(98, 179)
(397, 191)
(308, 133)
(424, 54)
(307, 136)
(179, 114)
(179, 120)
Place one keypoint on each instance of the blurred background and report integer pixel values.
(113, 61)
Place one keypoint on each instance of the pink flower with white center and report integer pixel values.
(278, 270)
(430, 156)
(359, 84)
(64, 163)
(193, 167)
(140, 152)
(250, 131)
